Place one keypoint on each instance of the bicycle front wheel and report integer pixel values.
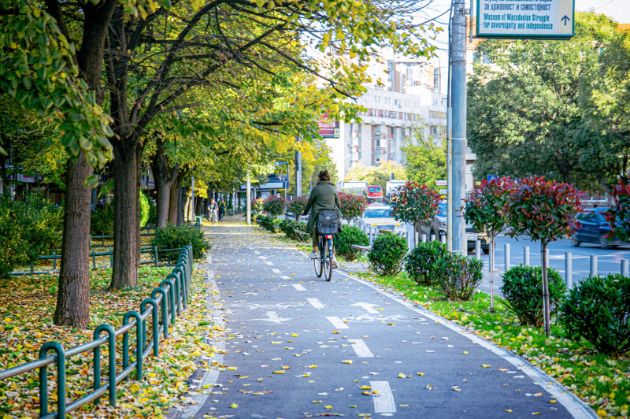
(318, 264)
(328, 269)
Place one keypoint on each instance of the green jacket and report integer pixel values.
(323, 197)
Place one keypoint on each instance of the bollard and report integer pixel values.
(594, 268)
(431, 237)
(443, 238)
(568, 269)
(424, 238)
(478, 249)
(526, 256)
(624, 267)
(506, 249)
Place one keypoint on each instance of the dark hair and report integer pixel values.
(323, 175)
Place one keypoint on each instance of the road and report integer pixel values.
(608, 260)
(297, 347)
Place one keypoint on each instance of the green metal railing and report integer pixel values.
(166, 302)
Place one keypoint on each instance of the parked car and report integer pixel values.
(379, 216)
(593, 228)
(374, 193)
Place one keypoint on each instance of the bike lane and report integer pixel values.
(297, 346)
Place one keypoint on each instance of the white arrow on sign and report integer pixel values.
(367, 307)
(273, 317)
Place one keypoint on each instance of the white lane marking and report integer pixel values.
(361, 348)
(299, 287)
(257, 252)
(262, 257)
(273, 317)
(285, 277)
(576, 407)
(315, 303)
(275, 270)
(367, 307)
(269, 263)
(337, 322)
(384, 398)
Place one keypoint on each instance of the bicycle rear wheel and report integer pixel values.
(318, 263)
(328, 269)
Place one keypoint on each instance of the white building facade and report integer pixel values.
(408, 101)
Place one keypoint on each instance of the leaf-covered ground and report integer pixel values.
(26, 308)
(603, 382)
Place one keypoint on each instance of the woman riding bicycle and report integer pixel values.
(323, 197)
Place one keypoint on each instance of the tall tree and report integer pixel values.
(553, 108)
(425, 161)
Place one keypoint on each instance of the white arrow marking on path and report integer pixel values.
(263, 257)
(383, 399)
(299, 287)
(275, 270)
(257, 252)
(337, 322)
(367, 307)
(269, 263)
(315, 303)
(285, 277)
(273, 317)
(360, 348)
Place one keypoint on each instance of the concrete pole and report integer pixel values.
(457, 64)
(248, 199)
(298, 173)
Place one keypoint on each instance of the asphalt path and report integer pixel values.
(296, 346)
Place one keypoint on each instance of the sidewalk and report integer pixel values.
(297, 346)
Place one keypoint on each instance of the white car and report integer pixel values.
(378, 216)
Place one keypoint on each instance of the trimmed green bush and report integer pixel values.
(388, 251)
(291, 228)
(173, 237)
(598, 310)
(421, 263)
(274, 205)
(458, 276)
(522, 288)
(268, 223)
(29, 228)
(348, 236)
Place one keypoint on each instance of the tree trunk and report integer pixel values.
(164, 177)
(173, 203)
(181, 202)
(545, 290)
(73, 295)
(126, 214)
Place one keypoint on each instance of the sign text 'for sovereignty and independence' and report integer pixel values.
(525, 18)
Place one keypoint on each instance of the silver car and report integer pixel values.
(378, 216)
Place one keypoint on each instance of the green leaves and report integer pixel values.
(415, 203)
(39, 71)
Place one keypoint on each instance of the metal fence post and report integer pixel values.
(61, 380)
(568, 269)
(624, 267)
(111, 367)
(526, 256)
(154, 322)
(163, 305)
(506, 249)
(139, 341)
(594, 267)
(54, 255)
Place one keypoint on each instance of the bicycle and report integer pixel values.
(323, 264)
(327, 227)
